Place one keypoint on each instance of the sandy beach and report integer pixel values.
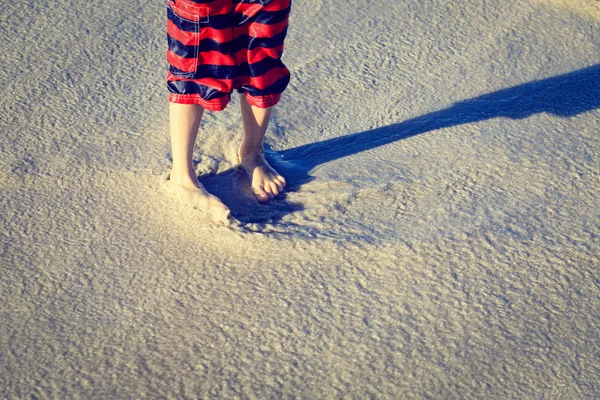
(439, 236)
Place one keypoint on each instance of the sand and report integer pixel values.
(439, 237)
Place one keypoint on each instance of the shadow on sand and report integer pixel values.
(565, 96)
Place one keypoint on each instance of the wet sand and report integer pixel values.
(438, 237)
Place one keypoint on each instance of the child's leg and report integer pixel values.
(184, 124)
(266, 182)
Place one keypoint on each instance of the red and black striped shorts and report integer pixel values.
(216, 46)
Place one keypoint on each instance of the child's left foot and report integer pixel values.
(266, 182)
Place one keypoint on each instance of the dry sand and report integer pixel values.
(439, 237)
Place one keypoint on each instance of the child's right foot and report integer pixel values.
(193, 191)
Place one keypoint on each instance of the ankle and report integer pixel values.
(183, 176)
(250, 153)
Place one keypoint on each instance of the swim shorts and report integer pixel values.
(216, 46)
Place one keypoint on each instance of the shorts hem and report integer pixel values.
(263, 101)
(211, 105)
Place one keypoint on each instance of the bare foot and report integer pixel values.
(266, 182)
(189, 189)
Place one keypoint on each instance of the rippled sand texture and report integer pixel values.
(439, 237)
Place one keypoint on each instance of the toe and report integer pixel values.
(260, 193)
(279, 185)
(271, 195)
(221, 216)
(275, 188)
(281, 179)
(224, 217)
(219, 211)
(269, 188)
